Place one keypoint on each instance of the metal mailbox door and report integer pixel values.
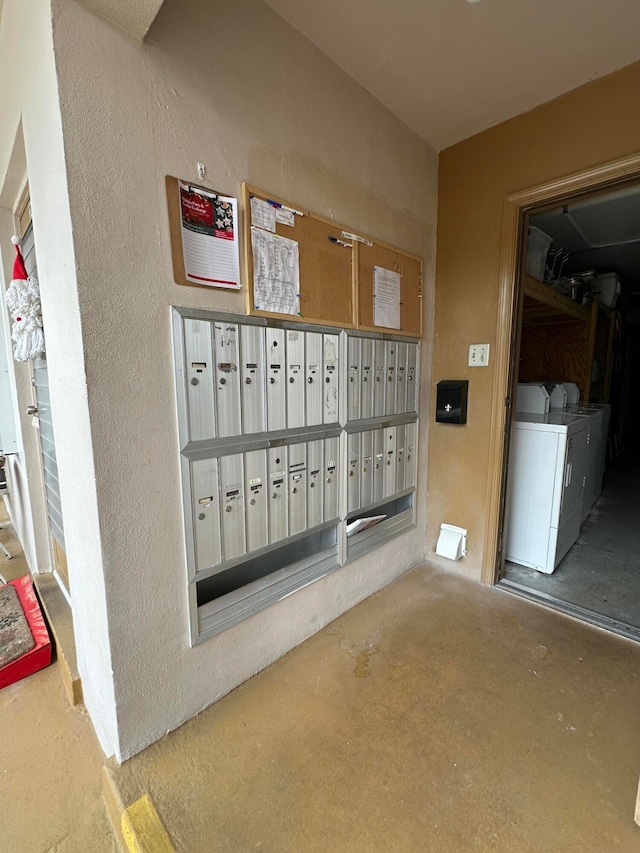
(295, 378)
(278, 490)
(232, 506)
(378, 464)
(412, 385)
(315, 479)
(380, 378)
(199, 375)
(410, 456)
(227, 378)
(330, 384)
(255, 488)
(401, 454)
(331, 477)
(297, 488)
(401, 379)
(314, 378)
(353, 467)
(276, 385)
(354, 381)
(367, 377)
(366, 466)
(254, 416)
(206, 513)
(390, 461)
(392, 378)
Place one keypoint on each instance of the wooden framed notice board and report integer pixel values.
(344, 278)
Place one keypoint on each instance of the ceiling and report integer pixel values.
(451, 68)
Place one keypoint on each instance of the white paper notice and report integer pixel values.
(209, 230)
(285, 217)
(263, 214)
(386, 298)
(276, 273)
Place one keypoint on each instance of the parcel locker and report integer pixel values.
(255, 488)
(252, 377)
(401, 379)
(353, 471)
(314, 378)
(227, 378)
(295, 378)
(380, 377)
(206, 513)
(389, 461)
(278, 491)
(412, 378)
(232, 506)
(378, 464)
(331, 477)
(410, 455)
(297, 488)
(199, 374)
(367, 377)
(330, 385)
(401, 453)
(366, 468)
(276, 380)
(315, 478)
(353, 379)
(392, 378)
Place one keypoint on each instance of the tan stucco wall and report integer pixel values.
(593, 125)
(234, 87)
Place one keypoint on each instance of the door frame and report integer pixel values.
(515, 209)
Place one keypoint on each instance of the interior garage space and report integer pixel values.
(571, 528)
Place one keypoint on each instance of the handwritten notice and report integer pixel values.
(209, 231)
(386, 298)
(276, 273)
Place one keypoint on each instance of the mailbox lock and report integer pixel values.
(274, 495)
(291, 379)
(194, 381)
(252, 501)
(228, 508)
(309, 380)
(201, 516)
(247, 381)
(272, 380)
(351, 473)
(294, 490)
(223, 381)
(327, 380)
(328, 479)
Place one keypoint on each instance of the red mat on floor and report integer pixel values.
(40, 655)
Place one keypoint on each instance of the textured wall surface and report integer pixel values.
(234, 87)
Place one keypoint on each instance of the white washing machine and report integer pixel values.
(547, 465)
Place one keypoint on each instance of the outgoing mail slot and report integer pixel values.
(353, 471)
(378, 464)
(389, 461)
(401, 378)
(255, 486)
(314, 378)
(252, 379)
(353, 379)
(331, 477)
(392, 378)
(278, 491)
(198, 348)
(366, 468)
(227, 378)
(276, 384)
(295, 378)
(232, 506)
(206, 513)
(297, 488)
(330, 384)
(412, 377)
(380, 377)
(410, 456)
(315, 479)
(367, 377)
(400, 457)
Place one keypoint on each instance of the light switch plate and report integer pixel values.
(478, 355)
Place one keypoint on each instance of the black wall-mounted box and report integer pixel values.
(451, 401)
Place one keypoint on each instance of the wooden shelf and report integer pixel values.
(543, 304)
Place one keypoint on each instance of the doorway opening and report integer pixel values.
(571, 481)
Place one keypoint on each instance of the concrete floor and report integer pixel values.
(436, 716)
(601, 572)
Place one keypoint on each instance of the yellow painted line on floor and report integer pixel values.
(143, 829)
